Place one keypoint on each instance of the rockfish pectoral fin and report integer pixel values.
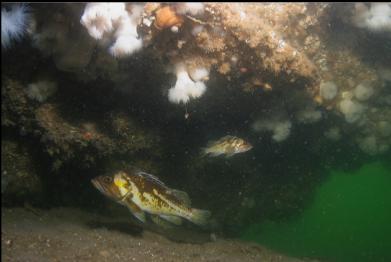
(211, 152)
(161, 222)
(173, 219)
(140, 216)
(135, 210)
(215, 154)
(200, 217)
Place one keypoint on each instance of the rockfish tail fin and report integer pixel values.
(200, 217)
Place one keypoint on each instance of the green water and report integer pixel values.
(349, 220)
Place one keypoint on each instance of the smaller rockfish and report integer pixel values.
(227, 145)
(144, 193)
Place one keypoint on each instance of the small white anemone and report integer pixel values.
(41, 90)
(14, 23)
(281, 128)
(103, 18)
(352, 111)
(197, 29)
(192, 8)
(99, 18)
(125, 45)
(376, 18)
(185, 88)
(199, 74)
(363, 92)
(178, 95)
(328, 90)
(372, 146)
(308, 116)
(127, 41)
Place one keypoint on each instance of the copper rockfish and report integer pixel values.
(144, 193)
(228, 146)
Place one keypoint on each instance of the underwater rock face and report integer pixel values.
(62, 138)
(65, 140)
(68, 45)
(19, 177)
(259, 48)
(16, 109)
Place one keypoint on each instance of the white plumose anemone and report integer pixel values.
(14, 23)
(41, 90)
(376, 17)
(372, 146)
(185, 88)
(281, 128)
(352, 111)
(192, 8)
(125, 45)
(199, 74)
(309, 115)
(328, 90)
(101, 19)
(363, 92)
(98, 18)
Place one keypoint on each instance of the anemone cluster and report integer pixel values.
(278, 51)
(15, 20)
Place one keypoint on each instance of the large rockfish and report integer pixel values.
(144, 193)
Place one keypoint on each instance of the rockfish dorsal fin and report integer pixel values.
(150, 177)
(182, 196)
(224, 138)
(227, 137)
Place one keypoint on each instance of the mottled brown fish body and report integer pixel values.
(228, 145)
(155, 198)
(142, 192)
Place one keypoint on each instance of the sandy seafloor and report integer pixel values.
(69, 234)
